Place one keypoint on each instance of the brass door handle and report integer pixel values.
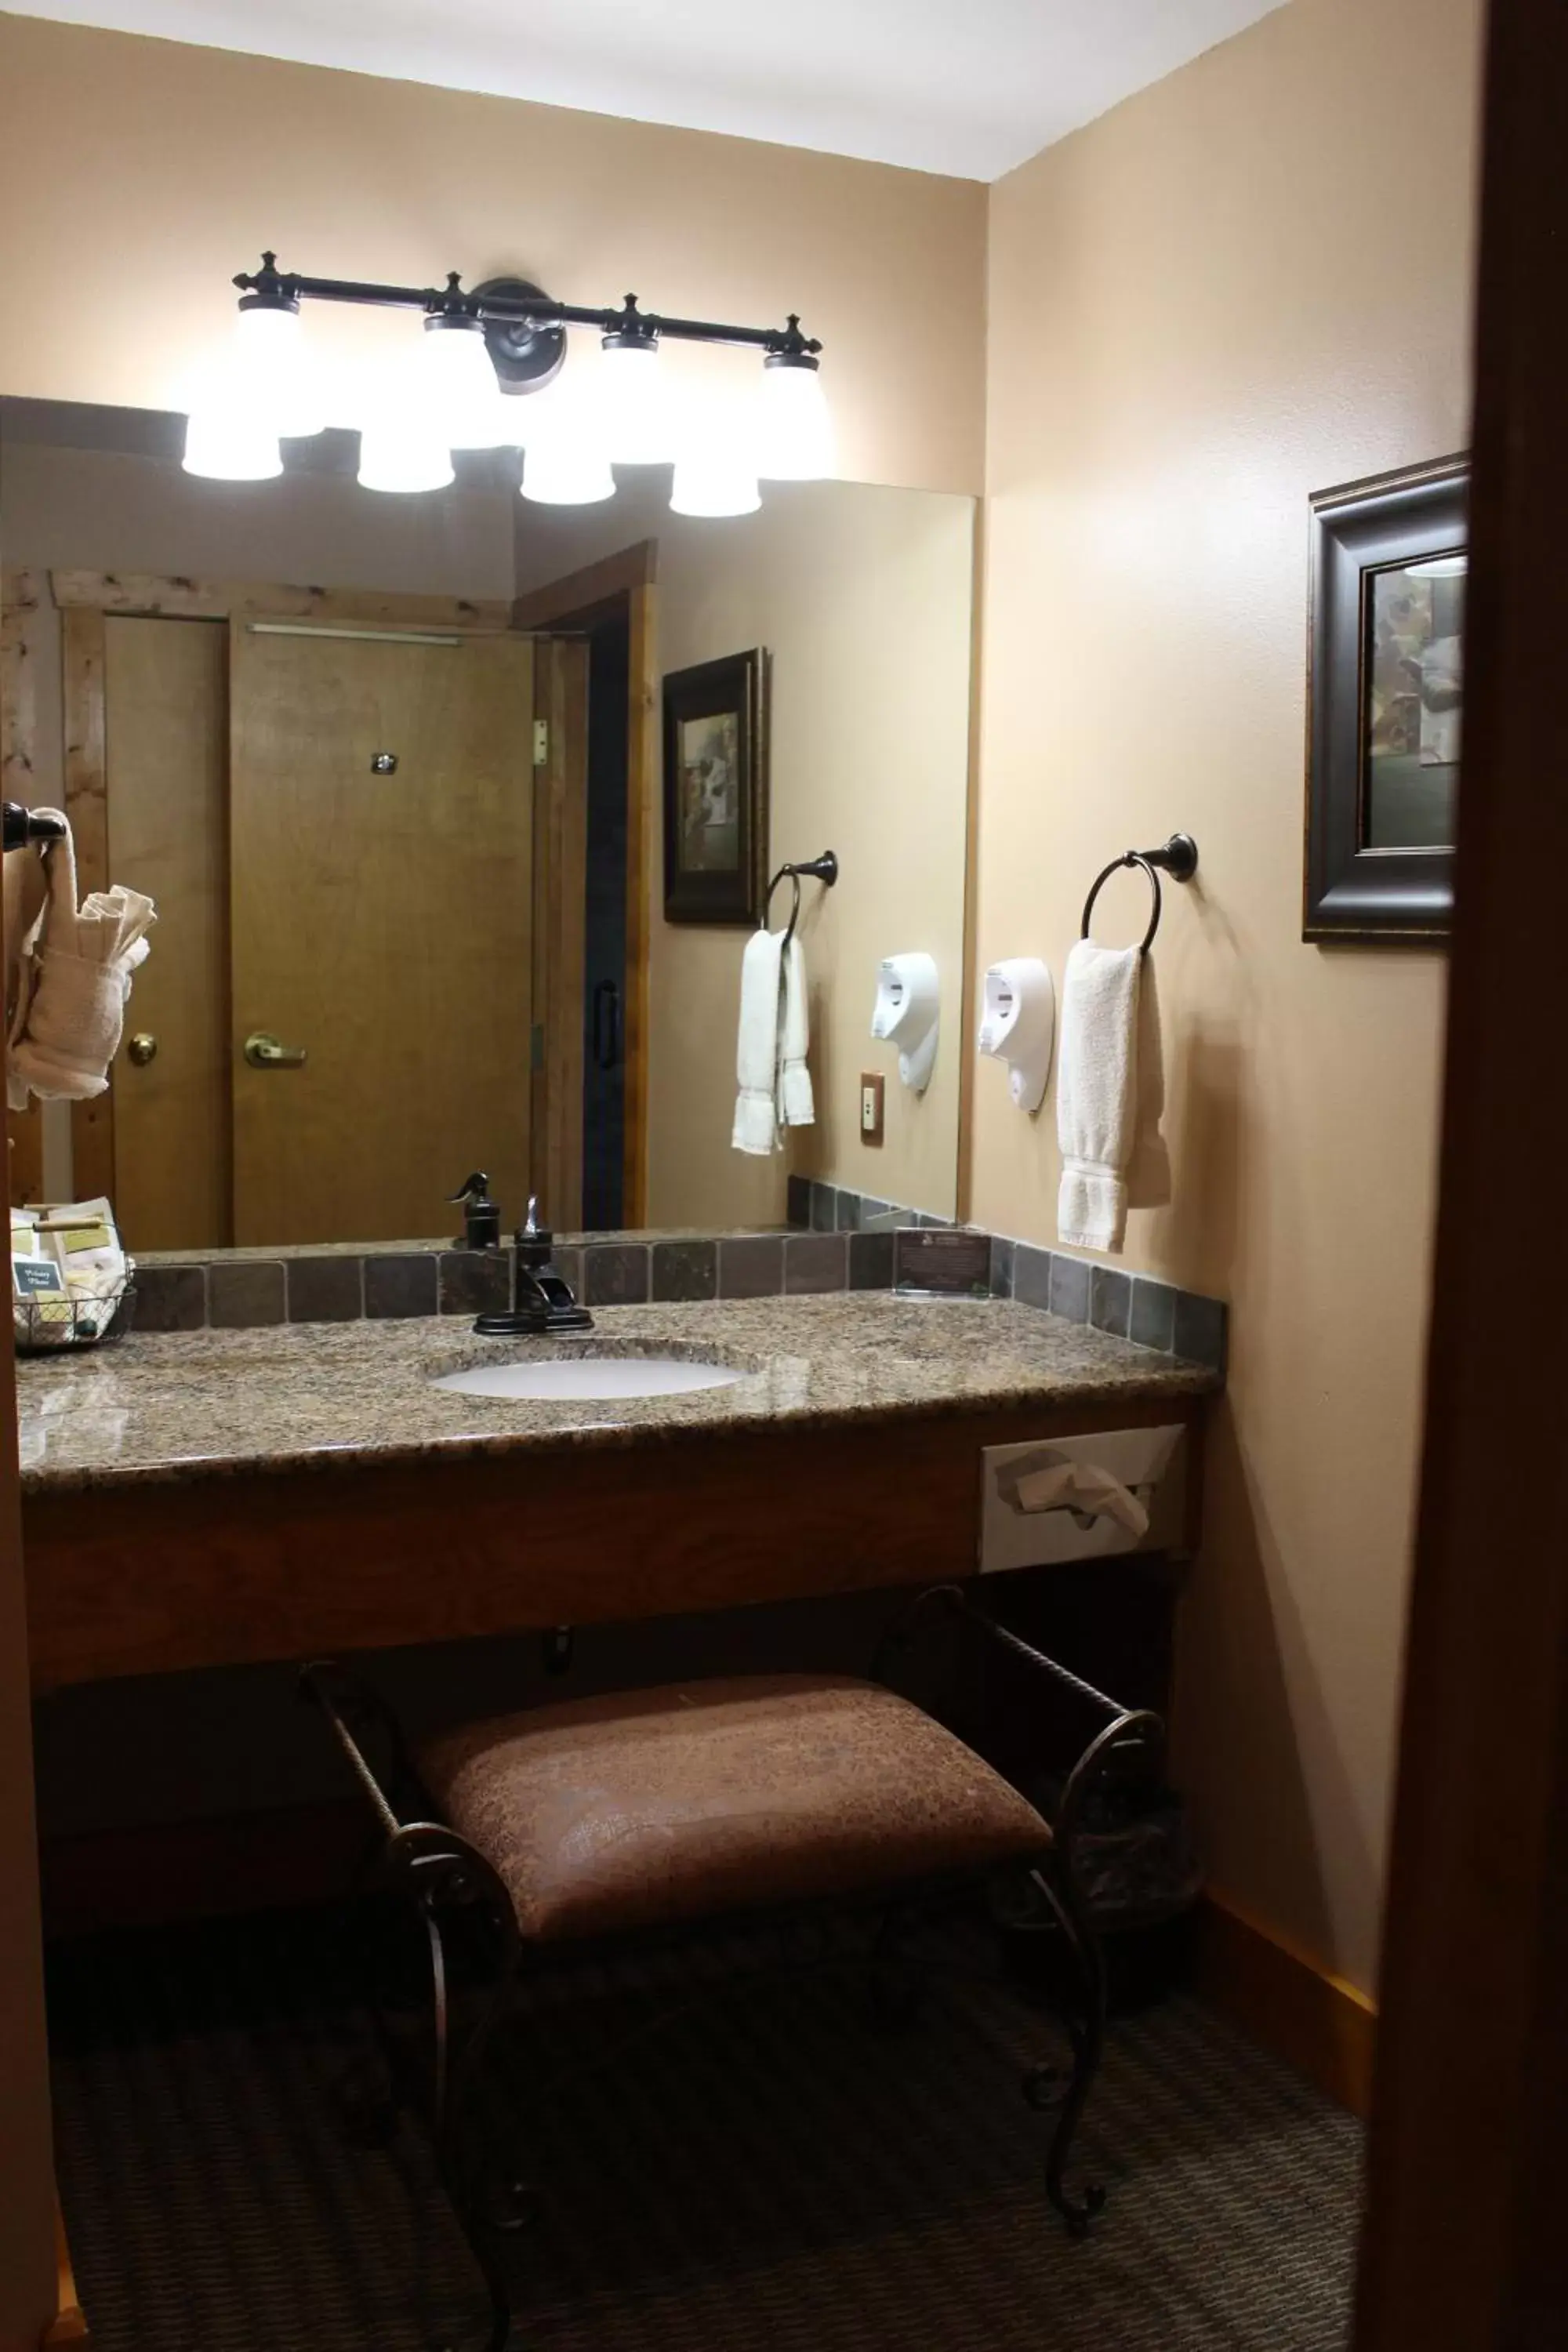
(141, 1049)
(263, 1051)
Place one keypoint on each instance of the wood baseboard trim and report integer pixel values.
(1285, 2001)
(193, 1870)
(68, 2325)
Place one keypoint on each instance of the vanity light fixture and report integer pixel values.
(451, 399)
(715, 471)
(638, 428)
(794, 427)
(564, 462)
(1439, 567)
(458, 387)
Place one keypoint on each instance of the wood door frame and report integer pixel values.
(34, 2270)
(624, 582)
(1464, 2244)
(24, 595)
(560, 859)
(85, 601)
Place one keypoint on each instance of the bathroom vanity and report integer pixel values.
(214, 1498)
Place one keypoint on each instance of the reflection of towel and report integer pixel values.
(796, 1105)
(70, 1008)
(1097, 1073)
(757, 1049)
(770, 1055)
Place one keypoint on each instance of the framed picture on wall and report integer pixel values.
(1385, 700)
(716, 790)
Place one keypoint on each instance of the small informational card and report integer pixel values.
(37, 1278)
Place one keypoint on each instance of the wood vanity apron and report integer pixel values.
(223, 1562)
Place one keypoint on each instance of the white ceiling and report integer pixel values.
(969, 87)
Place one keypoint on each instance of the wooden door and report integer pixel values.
(166, 763)
(381, 923)
(1465, 2248)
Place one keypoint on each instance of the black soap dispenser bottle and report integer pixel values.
(481, 1218)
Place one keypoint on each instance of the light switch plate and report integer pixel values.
(870, 1106)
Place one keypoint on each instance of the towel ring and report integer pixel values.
(1179, 858)
(823, 869)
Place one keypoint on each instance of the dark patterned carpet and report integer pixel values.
(769, 2170)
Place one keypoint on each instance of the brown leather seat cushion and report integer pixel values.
(706, 1797)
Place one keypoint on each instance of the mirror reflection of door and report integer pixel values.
(373, 825)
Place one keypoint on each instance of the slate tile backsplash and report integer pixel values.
(837, 1240)
(750, 1265)
(325, 1290)
(246, 1294)
(397, 1286)
(685, 1270)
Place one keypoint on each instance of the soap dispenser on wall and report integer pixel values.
(906, 1015)
(1018, 1025)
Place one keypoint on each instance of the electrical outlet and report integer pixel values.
(870, 1108)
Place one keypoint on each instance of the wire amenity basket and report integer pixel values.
(46, 1323)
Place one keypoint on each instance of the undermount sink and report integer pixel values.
(579, 1379)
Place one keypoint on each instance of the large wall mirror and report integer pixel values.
(389, 767)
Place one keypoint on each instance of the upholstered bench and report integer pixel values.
(698, 1799)
(601, 1818)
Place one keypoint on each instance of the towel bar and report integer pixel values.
(1178, 858)
(823, 869)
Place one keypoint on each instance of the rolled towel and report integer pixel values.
(757, 1046)
(1097, 1092)
(797, 1104)
(68, 1023)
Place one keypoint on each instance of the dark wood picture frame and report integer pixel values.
(734, 686)
(1355, 892)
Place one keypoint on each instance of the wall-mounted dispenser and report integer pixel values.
(906, 1015)
(1018, 1025)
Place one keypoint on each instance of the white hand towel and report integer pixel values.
(1097, 1092)
(69, 1021)
(757, 1048)
(795, 1105)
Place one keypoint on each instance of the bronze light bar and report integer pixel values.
(522, 324)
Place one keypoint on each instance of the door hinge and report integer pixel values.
(542, 743)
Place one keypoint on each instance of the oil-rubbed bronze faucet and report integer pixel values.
(544, 1299)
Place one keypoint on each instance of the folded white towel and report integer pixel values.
(757, 1048)
(771, 1051)
(1097, 1092)
(795, 1104)
(70, 1006)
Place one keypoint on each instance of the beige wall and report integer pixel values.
(1246, 283)
(138, 175)
(862, 597)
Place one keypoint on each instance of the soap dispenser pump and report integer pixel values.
(482, 1217)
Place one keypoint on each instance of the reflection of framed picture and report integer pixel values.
(1386, 704)
(715, 790)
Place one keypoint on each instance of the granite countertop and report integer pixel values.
(201, 1405)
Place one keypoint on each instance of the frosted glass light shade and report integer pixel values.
(715, 473)
(634, 405)
(226, 446)
(458, 387)
(556, 474)
(563, 458)
(794, 427)
(1439, 567)
(403, 453)
(275, 378)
